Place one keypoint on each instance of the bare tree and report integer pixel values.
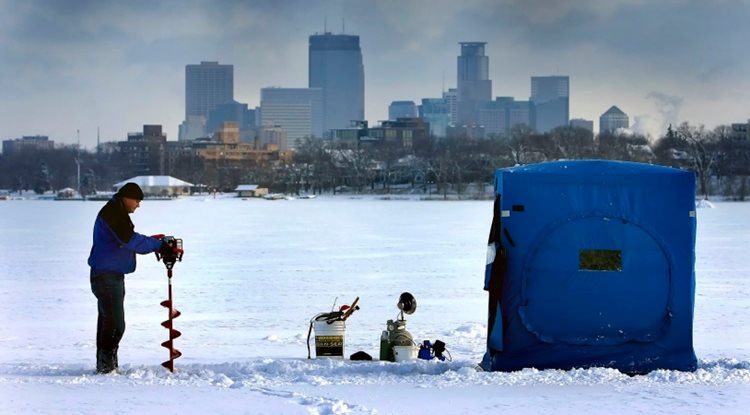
(702, 149)
(573, 143)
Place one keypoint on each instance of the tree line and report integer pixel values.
(452, 165)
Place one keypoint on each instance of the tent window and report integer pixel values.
(600, 260)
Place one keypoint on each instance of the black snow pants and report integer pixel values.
(109, 289)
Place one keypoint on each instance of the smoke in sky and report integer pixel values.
(667, 106)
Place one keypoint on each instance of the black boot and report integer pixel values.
(106, 361)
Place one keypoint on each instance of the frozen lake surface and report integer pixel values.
(256, 271)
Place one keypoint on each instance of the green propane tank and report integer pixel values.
(394, 335)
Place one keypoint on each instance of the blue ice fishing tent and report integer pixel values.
(591, 263)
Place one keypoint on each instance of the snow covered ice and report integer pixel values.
(256, 271)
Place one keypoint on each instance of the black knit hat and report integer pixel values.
(130, 190)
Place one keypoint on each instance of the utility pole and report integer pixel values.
(78, 162)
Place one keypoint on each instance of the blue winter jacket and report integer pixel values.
(116, 242)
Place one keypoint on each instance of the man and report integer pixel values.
(112, 256)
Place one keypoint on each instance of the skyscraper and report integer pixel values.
(500, 116)
(335, 66)
(402, 109)
(206, 86)
(299, 111)
(436, 112)
(233, 111)
(550, 97)
(474, 84)
(451, 96)
(613, 119)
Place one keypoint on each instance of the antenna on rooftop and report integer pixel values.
(325, 24)
(343, 25)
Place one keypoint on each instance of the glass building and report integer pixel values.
(550, 102)
(299, 111)
(206, 86)
(335, 66)
(436, 112)
(402, 109)
(474, 85)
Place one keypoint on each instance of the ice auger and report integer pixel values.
(169, 254)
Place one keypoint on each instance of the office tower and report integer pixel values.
(550, 97)
(493, 115)
(402, 109)
(270, 136)
(36, 142)
(740, 131)
(474, 85)
(613, 119)
(436, 112)
(451, 96)
(499, 116)
(145, 152)
(299, 111)
(206, 86)
(236, 112)
(193, 127)
(582, 123)
(520, 114)
(335, 66)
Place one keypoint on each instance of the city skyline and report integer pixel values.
(68, 66)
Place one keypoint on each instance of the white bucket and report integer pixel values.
(403, 353)
(329, 339)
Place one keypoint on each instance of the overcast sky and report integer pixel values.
(75, 65)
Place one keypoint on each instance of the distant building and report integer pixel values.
(451, 96)
(226, 149)
(741, 131)
(158, 185)
(36, 142)
(474, 84)
(493, 115)
(145, 152)
(235, 112)
(402, 109)
(193, 127)
(250, 190)
(473, 131)
(498, 117)
(272, 137)
(582, 123)
(520, 114)
(403, 133)
(613, 119)
(335, 66)
(550, 102)
(299, 111)
(355, 133)
(206, 86)
(436, 112)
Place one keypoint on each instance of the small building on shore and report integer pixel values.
(158, 186)
(251, 190)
